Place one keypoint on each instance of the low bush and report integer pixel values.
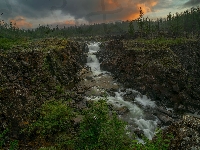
(54, 117)
(159, 142)
(100, 129)
(4, 140)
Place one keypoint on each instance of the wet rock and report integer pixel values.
(89, 78)
(83, 71)
(80, 91)
(122, 110)
(150, 117)
(166, 120)
(111, 93)
(100, 74)
(163, 110)
(181, 107)
(186, 133)
(128, 93)
(163, 73)
(139, 133)
(81, 105)
(128, 98)
(25, 63)
(123, 90)
(77, 120)
(176, 88)
(78, 98)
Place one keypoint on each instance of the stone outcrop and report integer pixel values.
(186, 133)
(168, 74)
(28, 78)
(164, 73)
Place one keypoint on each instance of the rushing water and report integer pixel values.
(139, 115)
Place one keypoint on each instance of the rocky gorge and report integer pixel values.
(154, 84)
(167, 73)
(29, 76)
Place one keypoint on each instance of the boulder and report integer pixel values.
(163, 110)
(139, 133)
(122, 110)
(166, 120)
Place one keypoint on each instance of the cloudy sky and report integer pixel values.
(31, 13)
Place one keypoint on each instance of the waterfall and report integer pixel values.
(138, 109)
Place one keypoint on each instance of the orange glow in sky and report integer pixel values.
(70, 22)
(131, 11)
(110, 2)
(20, 22)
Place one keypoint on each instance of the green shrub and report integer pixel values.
(158, 143)
(54, 117)
(14, 145)
(101, 130)
(65, 141)
(9, 44)
(3, 137)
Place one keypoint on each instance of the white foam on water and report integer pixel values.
(148, 127)
(94, 98)
(118, 101)
(169, 109)
(92, 60)
(145, 101)
(136, 114)
(93, 47)
(94, 64)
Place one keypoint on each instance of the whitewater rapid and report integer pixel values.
(138, 110)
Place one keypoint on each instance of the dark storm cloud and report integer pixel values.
(191, 3)
(90, 10)
(44, 8)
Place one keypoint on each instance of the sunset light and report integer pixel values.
(28, 14)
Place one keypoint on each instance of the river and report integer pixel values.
(136, 111)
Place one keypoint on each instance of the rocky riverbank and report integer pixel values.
(29, 76)
(50, 69)
(165, 72)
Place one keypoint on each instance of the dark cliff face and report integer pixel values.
(166, 73)
(28, 78)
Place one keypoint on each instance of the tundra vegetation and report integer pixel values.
(36, 86)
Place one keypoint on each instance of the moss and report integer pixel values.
(154, 44)
(6, 43)
(44, 45)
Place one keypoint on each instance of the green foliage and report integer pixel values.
(101, 130)
(7, 43)
(54, 117)
(59, 89)
(174, 25)
(163, 41)
(14, 145)
(131, 28)
(141, 21)
(65, 141)
(2, 137)
(158, 143)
